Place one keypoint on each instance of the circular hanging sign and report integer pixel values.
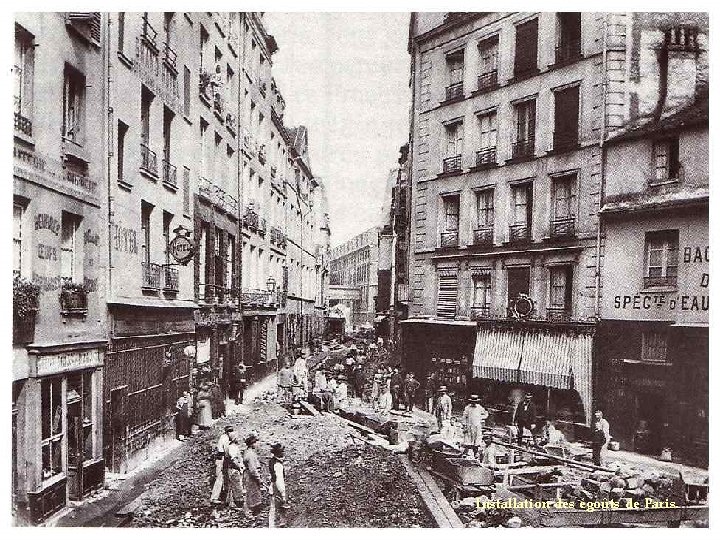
(523, 306)
(182, 249)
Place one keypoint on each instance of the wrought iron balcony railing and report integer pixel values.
(558, 314)
(454, 92)
(151, 275)
(172, 279)
(519, 232)
(148, 159)
(169, 174)
(562, 227)
(149, 34)
(523, 149)
(480, 312)
(449, 239)
(487, 81)
(452, 164)
(483, 236)
(486, 156)
(23, 124)
(170, 56)
(664, 281)
(568, 51)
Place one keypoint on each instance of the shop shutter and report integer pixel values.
(447, 295)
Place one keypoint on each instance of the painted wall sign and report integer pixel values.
(647, 302)
(48, 253)
(47, 283)
(124, 239)
(90, 237)
(47, 222)
(66, 361)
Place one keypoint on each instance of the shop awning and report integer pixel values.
(556, 359)
(497, 354)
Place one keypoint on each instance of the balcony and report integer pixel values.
(562, 227)
(217, 196)
(487, 81)
(23, 124)
(454, 92)
(73, 299)
(563, 141)
(256, 297)
(170, 57)
(567, 52)
(169, 174)
(172, 280)
(261, 154)
(251, 220)
(449, 239)
(660, 281)
(262, 227)
(486, 157)
(205, 88)
(480, 312)
(558, 314)
(483, 237)
(452, 164)
(148, 160)
(519, 232)
(149, 34)
(219, 106)
(523, 149)
(230, 123)
(151, 276)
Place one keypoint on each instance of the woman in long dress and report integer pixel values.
(251, 478)
(204, 406)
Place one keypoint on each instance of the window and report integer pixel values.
(518, 281)
(79, 403)
(567, 110)
(122, 132)
(204, 40)
(70, 223)
(145, 215)
(563, 195)
(522, 212)
(488, 52)
(526, 48)
(447, 294)
(219, 261)
(560, 288)
(666, 158)
(146, 99)
(52, 428)
(569, 33)
(202, 258)
(481, 290)
(204, 148)
(23, 75)
(230, 263)
(167, 138)
(186, 190)
(451, 221)
(524, 144)
(121, 32)
(73, 105)
(487, 154)
(485, 208)
(654, 346)
(454, 145)
(186, 91)
(167, 223)
(661, 259)
(455, 67)
(18, 212)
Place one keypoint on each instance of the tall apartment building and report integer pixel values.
(510, 112)
(392, 306)
(60, 204)
(171, 222)
(652, 354)
(353, 277)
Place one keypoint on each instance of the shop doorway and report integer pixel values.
(649, 418)
(118, 422)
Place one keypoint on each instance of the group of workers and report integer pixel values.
(238, 475)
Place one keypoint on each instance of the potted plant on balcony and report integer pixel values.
(25, 306)
(73, 298)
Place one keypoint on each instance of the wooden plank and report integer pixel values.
(555, 458)
(583, 518)
(430, 501)
(312, 410)
(442, 502)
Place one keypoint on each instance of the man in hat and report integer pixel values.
(251, 477)
(278, 495)
(524, 417)
(220, 451)
(474, 417)
(234, 468)
(443, 410)
(240, 381)
(411, 387)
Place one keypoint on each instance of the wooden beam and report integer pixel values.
(556, 458)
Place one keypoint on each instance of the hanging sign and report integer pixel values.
(182, 248)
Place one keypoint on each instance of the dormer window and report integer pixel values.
(666, 161)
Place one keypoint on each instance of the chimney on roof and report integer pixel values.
(678, 69)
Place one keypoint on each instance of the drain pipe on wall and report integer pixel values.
(110, 154)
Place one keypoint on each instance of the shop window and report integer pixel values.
(51, 412)
(661, 259)
(654, 346)
(666, 161)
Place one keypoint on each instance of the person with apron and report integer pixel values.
(600, 437)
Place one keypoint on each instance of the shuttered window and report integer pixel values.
(526, 48)
(567, 107)
(563, 194)
(525, 121)
(447, 294)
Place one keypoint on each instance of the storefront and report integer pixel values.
(57, 428)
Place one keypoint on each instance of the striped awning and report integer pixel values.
(497, 354)
(556, 359)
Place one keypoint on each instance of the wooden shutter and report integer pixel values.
(526, 47)
(447, 294)
(567, 105)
